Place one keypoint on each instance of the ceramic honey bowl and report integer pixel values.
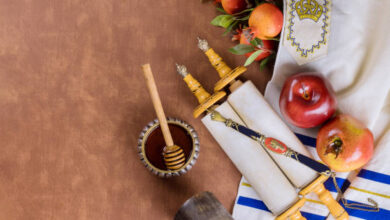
(151, 145)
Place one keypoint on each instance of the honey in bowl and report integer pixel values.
(155, 144)
(151, 145)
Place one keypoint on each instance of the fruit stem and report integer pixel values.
(266, 50)
(335, 146)
(305, 95)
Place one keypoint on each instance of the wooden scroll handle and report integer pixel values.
(317, 186)
(222, 68)
(157, 104)
(334, 207)
(293, 212)
(296, 216)
(196, 88)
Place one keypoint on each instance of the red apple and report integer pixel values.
(345, 144)
(307, 100)
(233, 6)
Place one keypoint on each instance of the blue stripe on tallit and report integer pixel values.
(257, 204)
(374, 176)
(253, 203)
(306, 140)
(309, 162)
(342, 183)
(312, 216)
(366, 174)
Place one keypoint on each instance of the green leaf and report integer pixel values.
(217, 20)
(228, 29)
(259, 42)
(242, 19)
(263, 63)
(252, 57)
(221, 10)
(244, 11)
(254, 42)
(228, 20)
(241, 49)
(222, 21)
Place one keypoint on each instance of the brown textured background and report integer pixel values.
(73, 102)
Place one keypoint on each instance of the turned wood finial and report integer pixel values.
(196, 88)
(293, 212)
(215, 60)
(182, 70)
(203, 44)
(204, 98)
(227, 75)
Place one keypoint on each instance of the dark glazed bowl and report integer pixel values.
(151, 144)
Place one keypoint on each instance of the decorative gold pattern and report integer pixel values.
(290, 153)
(260, 139)
(276, 145)
(309, 9)
(303, 52)
(232, 124)
(216, 116)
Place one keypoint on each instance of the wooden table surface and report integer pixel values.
(73, 102)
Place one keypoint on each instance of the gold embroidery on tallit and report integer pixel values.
(308, 9)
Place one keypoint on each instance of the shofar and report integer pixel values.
(257, 114)
(253, 162)
(203, 206)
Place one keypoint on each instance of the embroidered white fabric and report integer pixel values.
(306, 29)
(357, 65)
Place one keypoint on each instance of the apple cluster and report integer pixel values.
(344, 143)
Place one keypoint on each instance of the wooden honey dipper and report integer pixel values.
(174, 157)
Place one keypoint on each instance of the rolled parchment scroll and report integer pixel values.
(257, 114)
(253, 162)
